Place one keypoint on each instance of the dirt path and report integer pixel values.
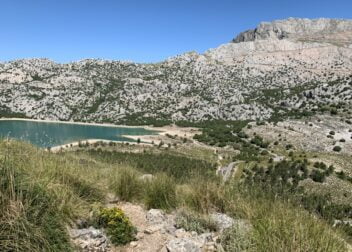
(150, 239)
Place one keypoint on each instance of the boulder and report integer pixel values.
(156, 217)
(222, 221)
(89, 239)
(183, 245)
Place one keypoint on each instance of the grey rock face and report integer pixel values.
(281, 29)
(183, 245)
(155, 217)
(89, 239)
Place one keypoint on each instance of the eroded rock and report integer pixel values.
(90, 239)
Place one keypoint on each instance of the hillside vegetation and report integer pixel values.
(43, 193)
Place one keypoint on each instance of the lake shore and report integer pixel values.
(58, 148)
(161, 132)
(73, 122)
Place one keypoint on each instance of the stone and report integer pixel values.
(181, 233)
(222, 221)
(89, 239)
(183, 245)
(133, 244)
(146, 177)
(155, 216)
(170, 228)
(204, 238)
(153, 229)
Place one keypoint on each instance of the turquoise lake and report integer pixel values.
(49, 134)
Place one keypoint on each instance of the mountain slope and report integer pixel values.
(284, 66)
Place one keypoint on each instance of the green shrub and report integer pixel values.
(317, 176)
(160, 192)
(118, 226)
(337, 148)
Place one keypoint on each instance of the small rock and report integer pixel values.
(153, 229)
(155, 216)
(181, 233)
(204, 238)
(133, 244)
(89, 239)
(170, 228)
(146, 177)
(183, 245)
(222, 221)
(112, 199)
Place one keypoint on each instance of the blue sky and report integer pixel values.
(141, 31)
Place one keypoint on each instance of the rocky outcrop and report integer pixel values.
(89, 239)
(294, 28)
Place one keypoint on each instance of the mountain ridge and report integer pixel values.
(226, 83)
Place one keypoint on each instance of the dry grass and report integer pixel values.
(41, 193)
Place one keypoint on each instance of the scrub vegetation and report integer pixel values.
(41, 194)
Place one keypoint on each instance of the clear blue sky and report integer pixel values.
(142, 31)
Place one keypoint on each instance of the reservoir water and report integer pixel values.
(49, 134)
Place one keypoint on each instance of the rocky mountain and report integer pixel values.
(282, 67)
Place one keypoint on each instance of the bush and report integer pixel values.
(160, 192)
(317, 176)
(117, 225)
(289, 146)
(337, 148)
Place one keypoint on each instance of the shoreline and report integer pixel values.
(58, 148)
(73, 122)
(160, 132)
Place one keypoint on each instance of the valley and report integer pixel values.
(246, 147)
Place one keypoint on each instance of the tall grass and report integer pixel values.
(160, 192)
(30, 219)
(41, 193)
(281, 227)
(126, 184)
